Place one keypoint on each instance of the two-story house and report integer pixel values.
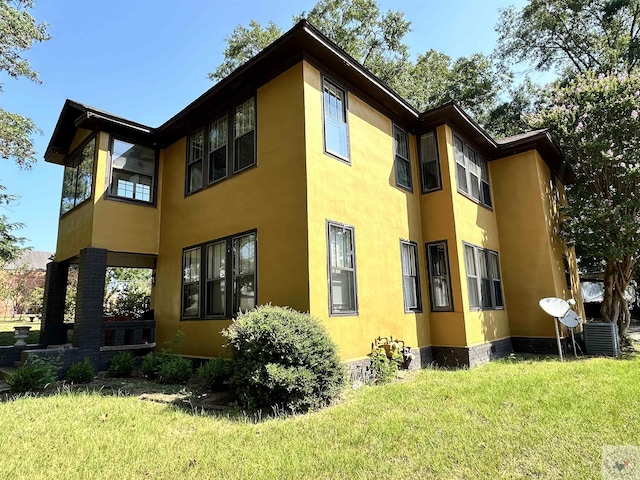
(303, 180)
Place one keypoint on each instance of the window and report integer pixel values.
(472, 173)
(336, 132)
(78, 177)
(228, 150)
(220, 299)
(410, 276)
(567, 271)
(429, 162)
(133, 170)
(439, 280)
(342, 270)
(483, 278)
(402, 162)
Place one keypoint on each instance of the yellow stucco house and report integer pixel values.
(303, 180)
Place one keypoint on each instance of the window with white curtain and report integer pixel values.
(342, 269)
(439, 279)
(410, 276)
(484, 282)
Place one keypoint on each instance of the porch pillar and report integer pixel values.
(87, 330)
(52, 331)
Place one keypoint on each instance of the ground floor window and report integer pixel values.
(227, 283)
(410, 276)
(342, 269)
(439, 278)
(484, 282)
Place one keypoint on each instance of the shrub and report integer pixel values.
(81, 372)
(384, 369)
(151, 364)
(121, 365)
(214, 373)
(283, 358)
(36, 373)
(174, 369)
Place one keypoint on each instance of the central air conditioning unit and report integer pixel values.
(601, 338)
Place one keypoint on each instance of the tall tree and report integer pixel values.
(595, 120)
(18, 32)
(376, 40)
(572, 35)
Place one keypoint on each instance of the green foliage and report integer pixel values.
(215, 372)
(595, 121)
(127, 291)
(571, 35)
(283, 358)
(151, 364)
(383, 367)
(37, 372)
(174, 369)
(81, 372)
(121, 365)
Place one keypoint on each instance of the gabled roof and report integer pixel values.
(76, 115)
(302, 42)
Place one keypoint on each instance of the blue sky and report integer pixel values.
(146, 60)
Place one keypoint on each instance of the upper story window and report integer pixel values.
(336, 131)
(78, 176)
(472, 172)
(429, 162)
(133, 170)
(226, 146)
(483, 278)
(402, 161)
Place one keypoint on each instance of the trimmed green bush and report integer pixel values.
(151, 364)
(81, 372)
(283, 358)
(121, 365)
(36, 373)
(384, 369)
(214, 373)
(174, 369)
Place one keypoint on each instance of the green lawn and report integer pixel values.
(507, 419)
(6, 329)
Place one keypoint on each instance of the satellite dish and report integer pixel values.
(570, 320)
(556, 307)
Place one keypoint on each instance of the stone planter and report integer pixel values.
(20, 334)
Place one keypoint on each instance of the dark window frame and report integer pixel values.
(414, 246)
(482, 181)
(428, 246)
(493, 297)
(154, 187)
(421, 153)
(71, 158)
(345, 113)
(230, 277)
(399, 158)
(342, 313)
(230, 147)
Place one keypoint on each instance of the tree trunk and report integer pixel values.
(615, 307)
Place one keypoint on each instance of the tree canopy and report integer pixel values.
(19, 31)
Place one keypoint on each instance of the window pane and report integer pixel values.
(244, 252)
(244, 255)
(440, 288)
(244, 118)
(196, 146)
(191, 300)
(132, 185)
(245, 293)
(68, 189)
(485, 282)
(216, 298)
(472, 278)
(342, 290)
(85, 172)
(401, 143)
(341, 247)
(486, 194)
(403, 172)
(191, 265)
(218, 133)
(244, 151)
(410, 293)
(439, 276)
(216, 256)
(429, 161)
(342, 271)
(195, 176)
(335, 120)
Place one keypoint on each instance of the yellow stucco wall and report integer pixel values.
(531, 253)
(475, 224)
(270, 198)
(363, 194)
(105, 223)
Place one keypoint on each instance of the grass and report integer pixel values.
(507, 419)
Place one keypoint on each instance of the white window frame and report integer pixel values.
(476, 173)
